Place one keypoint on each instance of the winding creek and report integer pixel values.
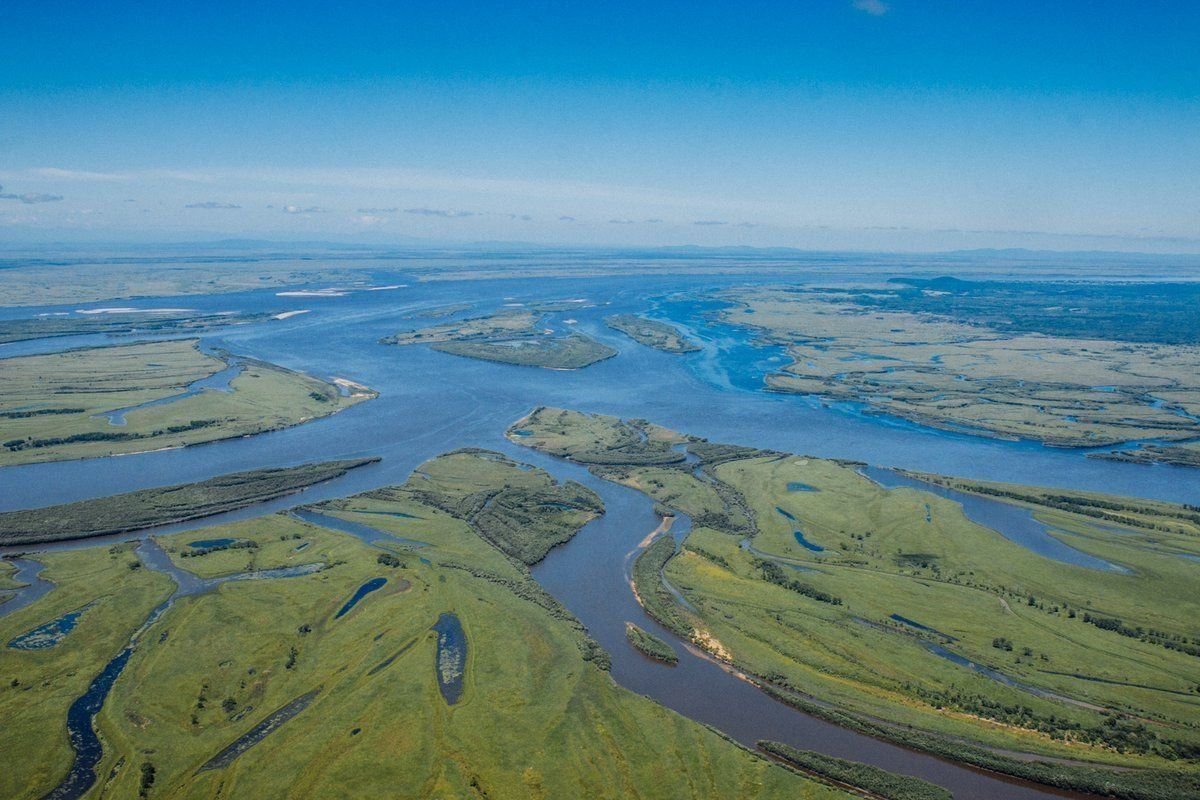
(433, 402)
(81, 716)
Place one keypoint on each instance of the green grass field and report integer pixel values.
(53, 406)
(903, 573)
(536, 718)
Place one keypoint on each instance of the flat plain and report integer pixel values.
(101, 401)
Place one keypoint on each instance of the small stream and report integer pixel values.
(218, 381)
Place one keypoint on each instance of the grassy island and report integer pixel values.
(652, 333)
(510, 337)
(650, 645)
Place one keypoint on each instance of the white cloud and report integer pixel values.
(303, 210)
(876, 8)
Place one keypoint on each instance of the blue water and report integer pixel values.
(919, 626)
(1014, 523)
(362, 591)
(205, 544)
(796, 486)
(816, 548)
(49, 634)
(451, 659)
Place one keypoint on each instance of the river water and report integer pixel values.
(433, 402)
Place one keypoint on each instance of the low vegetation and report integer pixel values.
(650, 645)
(652, 333)
(880, 783)
(147, 508)
(104, 400)
(510, 337)
(16, 330)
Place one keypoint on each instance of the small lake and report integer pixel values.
(49, 634)
(372, 585)
(208, 544)
(451, 660)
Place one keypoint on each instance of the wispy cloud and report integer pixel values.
(30, 198)
(565, 218)
(652, 221)
(620, 222)
(377, 211)
(439, 212)
(876, 8)
(212, 204)
(303, 210)
(80, 175)
(710, 222)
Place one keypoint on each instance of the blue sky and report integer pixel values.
(861, 124)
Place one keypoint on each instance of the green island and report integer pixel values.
(650, 645)
(510, 337)
(114, 321)
(310, 685)
(652, 333)
(891, 612)
(961, 374)
(148, 508)
(101, 401)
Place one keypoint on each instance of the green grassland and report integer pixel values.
(652, 333)
(270, 542)
(1076, 687)
(147, 508)
(537, 718)
(509, 337)
(37, 686)
(946, 373)
(53, 406)
(16, 330)
(8, 580)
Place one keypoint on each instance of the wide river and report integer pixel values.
(432, 402)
